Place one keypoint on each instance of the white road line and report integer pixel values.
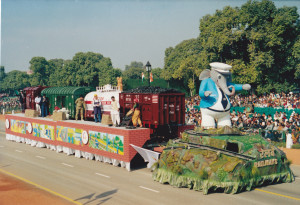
(102, 175)
(40, 157)
(1, 146)
(18, 150)
(149, 189)
(68, 165)
(297, 177)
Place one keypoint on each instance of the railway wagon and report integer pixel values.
(64, 97)
(162, 110)
(30, 95)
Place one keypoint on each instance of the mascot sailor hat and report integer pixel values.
(221, 67)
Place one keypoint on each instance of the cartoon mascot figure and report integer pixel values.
(214, 90)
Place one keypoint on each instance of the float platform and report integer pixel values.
(83, 138)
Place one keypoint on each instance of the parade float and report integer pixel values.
(162, 112)
(212, 157)
(216, 157)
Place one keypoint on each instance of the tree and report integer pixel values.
(183, 63)
(15, 80)
(39, 66)
(260, 41)
(258, 36)
(156, 72)
(106, 72)
(134, 64)
(133, 73)
(87, 69)
(2, 73)
(56, 70)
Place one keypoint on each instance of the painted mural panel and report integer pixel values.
(107, 142)
(68, 134)
(18, 126)
(43, 131)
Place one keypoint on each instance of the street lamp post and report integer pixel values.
(148, 68)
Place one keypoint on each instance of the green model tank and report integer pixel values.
(221, 160)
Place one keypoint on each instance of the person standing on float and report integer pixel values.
(37, 101)
(115, 111)
(97, 108)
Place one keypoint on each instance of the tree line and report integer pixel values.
(260, 41)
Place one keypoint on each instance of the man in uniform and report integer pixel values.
(79, 107)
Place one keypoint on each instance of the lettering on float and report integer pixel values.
(267, 162)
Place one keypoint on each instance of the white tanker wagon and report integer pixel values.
(104, 93)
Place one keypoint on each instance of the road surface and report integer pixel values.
(89, 182)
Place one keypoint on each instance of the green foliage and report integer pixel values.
(260, 41)
(278, 144)
(2, 73)
(134, 64)
(39, 66)
(133, 73)
(296, 146)
(183, 64)
(15, 80)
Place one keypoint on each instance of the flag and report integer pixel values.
(151, 77)
(143, 76)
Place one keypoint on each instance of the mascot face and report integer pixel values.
(221, 80)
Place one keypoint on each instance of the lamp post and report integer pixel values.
(148, 68)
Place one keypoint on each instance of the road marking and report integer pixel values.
(1, 146)
(149, 189)
(41, 187)
(297, 177)
(68, 165)
(289, 197)
(102, 175)
(40, 157)
(18, 151)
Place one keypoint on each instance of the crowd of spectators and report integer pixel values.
(289, 101)
(9, 103)
(280, 121)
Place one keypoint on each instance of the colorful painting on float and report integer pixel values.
(107, 142)
(70, 135)
(43, 131)
(18, 126)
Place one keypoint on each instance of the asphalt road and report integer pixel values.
(90, 182)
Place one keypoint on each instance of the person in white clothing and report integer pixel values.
(115, 111)
(37, 101)
(289, 140)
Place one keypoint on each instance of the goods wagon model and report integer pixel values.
(30, 95)
(162, 110)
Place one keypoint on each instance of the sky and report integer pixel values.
(123, 30)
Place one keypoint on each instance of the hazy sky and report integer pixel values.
(123, 30)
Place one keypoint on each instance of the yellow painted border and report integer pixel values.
(289, 197)
(41, 187)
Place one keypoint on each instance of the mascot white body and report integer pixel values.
(214, 90)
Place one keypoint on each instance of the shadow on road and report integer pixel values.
(93, 197)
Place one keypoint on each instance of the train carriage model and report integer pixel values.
(162, 110)
(104, 93)
(30, 94)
